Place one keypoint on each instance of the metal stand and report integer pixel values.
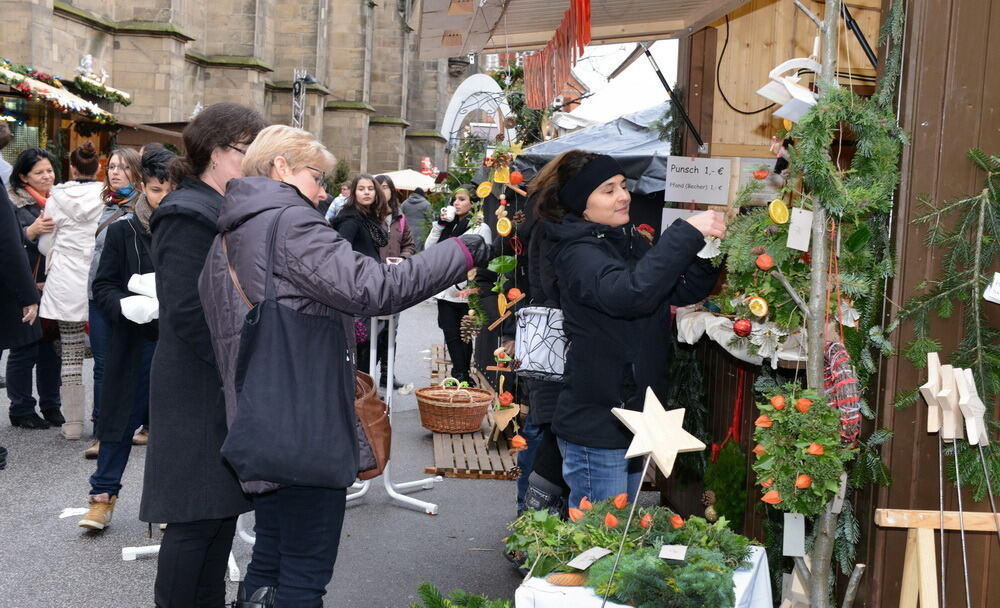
(394, 490)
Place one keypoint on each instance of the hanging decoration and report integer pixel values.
(549, 69)
(46, 88)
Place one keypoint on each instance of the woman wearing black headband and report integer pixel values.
(615, 291)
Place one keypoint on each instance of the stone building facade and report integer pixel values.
(375, 105)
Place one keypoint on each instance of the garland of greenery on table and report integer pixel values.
(547, 543)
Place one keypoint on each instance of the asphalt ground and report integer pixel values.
(386, 550)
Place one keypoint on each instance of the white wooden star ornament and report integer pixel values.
(658, 432)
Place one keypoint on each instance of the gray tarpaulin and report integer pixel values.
(629, 139)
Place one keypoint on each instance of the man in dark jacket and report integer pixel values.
(417, 210)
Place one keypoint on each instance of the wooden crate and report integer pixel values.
(468, 455)
(440, 362)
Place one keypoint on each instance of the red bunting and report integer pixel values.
(546, 71)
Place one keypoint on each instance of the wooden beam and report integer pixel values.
(906, 518)
(721, 10)
(652, 30)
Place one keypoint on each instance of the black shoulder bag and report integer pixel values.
(295, 422)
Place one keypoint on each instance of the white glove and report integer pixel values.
(143, 284)
(140, 309)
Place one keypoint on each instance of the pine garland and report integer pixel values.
(970, 248)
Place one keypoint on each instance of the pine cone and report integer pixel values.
(468, 328)
(708, 498)
(710, 514)
(758, 250)
(519, 217)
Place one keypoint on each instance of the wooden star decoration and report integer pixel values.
(658, 432)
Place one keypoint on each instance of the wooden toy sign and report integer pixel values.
(697, 180)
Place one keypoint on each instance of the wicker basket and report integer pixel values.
(451, 409)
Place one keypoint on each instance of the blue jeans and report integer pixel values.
(40, 357)
(298, 533)
(100, 336)
(598, 473)
(526, 459)
(113, 455)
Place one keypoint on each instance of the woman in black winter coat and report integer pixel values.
(361, 222)
(615, 290)
(187, 484)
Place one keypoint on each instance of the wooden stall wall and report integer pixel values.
(950, 93)
(762, 34)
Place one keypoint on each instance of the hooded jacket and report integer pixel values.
(316, 271)
(417, 210)
(615, 291)
(75, 207)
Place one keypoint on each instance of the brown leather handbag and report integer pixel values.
(373, 422)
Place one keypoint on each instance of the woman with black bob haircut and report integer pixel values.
(31, 179)
(615, 290)
(187, 484)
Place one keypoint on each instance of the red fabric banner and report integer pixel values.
(548, 70)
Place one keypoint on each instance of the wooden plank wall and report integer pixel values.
(951, 88)
(762, 34)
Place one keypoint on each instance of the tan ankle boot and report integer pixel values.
(99, 515)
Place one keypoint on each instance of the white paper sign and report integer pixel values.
(800, 229)
(698, 180)
(674, 552)
(794, 544)
(588, 557)
(992, 292)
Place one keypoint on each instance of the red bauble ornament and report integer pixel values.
(742, 327)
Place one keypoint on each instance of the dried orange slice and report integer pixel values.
(777, 210)
(501, 175)
(787, 124)
(502, 304)
(504, 226)
(484, 189)
(758, 306)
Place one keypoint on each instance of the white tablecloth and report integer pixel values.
(753, 590)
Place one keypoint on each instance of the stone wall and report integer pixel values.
(171, 55)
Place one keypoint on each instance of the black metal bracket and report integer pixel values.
(702, 148)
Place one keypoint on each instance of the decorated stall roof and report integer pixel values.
(49, 89)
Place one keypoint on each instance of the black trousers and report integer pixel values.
(191, 570)
(449, 320)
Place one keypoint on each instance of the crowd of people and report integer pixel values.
(174, 266)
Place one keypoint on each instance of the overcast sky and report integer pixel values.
(634, 89)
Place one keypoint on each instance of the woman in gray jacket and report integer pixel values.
(316, 272)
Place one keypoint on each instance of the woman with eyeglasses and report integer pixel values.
(187, 484)
(269, 221)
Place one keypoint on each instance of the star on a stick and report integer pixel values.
(658, 432)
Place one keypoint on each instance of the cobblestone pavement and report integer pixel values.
(47, 561)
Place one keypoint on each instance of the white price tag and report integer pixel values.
(794, 544)
(800, 229)
(676, 553)
(992, 292)
(588, 557)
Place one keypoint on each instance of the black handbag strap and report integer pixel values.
(269, 292)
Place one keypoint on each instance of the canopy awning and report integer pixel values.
(56, 96)
(451, 28)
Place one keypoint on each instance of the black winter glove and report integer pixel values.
(478, 247)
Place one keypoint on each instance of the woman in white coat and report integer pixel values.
(456, 220)
(74, 207)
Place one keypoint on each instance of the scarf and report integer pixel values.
(123, 196)
(379, 235)
(38, 196)
(143, 211)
